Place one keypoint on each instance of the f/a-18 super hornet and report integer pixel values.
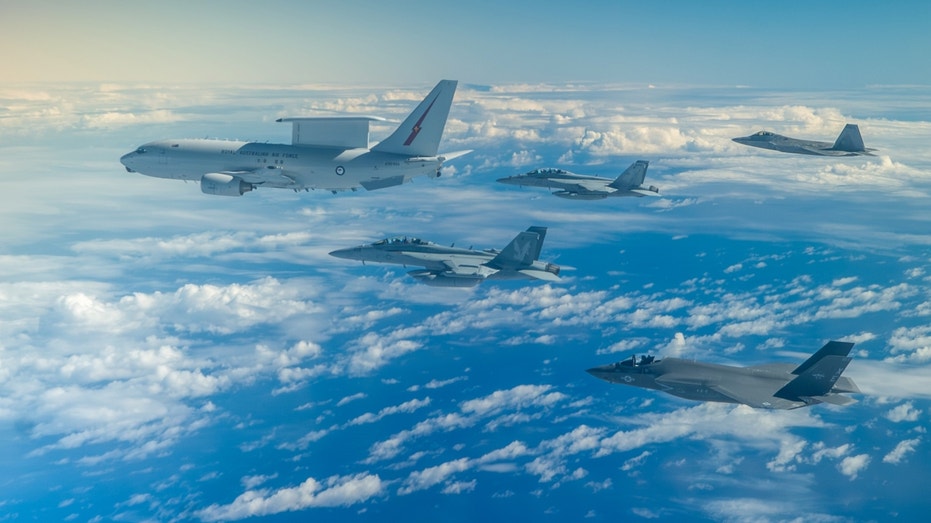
(457, 267)
(583, 187)
(849, 143)
(329, 153)
(769, 386)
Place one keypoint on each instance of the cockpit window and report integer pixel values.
(547, 170)
(633, 361)
(140, 150)
(402, 240)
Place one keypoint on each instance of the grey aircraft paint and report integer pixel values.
(848, 143)
(769, 386)
(457, 267)
(583, 187)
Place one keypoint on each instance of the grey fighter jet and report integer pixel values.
(769, 386)
(457, 267)
(849, 143)
(583, 187)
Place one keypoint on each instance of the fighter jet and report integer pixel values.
(849, 143)
(457, 267)
(583, 187)
(330, 153)
(769, 386)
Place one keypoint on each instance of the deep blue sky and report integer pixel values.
(826, 44)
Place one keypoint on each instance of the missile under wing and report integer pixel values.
(458, 267)
(584, 187)
(328, 153)
(848, 143)
(770, 386)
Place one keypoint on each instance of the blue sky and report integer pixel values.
(171, 356)
(830, 44)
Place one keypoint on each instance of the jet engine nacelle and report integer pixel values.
(569, 195)
(445, 279)
(220, 184)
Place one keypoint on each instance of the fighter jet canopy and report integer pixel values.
(402, 240)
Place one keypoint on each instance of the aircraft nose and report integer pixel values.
(601, 372)
(126, 159)
(351, 253)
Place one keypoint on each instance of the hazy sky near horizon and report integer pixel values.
(828, 44)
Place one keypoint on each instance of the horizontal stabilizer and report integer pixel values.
(833, 399)
(444, 157)
(645, 192)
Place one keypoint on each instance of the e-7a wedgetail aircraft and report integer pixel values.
(584, 187)
(329, 153)
(769, 386)
(848, 143)
(456, 267)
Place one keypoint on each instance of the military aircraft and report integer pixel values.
(769, 386)
(583, 187)
(457, 267)
(329, 153)
(849, 143)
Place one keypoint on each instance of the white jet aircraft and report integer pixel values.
(329, 153)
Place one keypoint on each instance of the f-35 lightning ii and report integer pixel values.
(849, 143)
(457, 267)
(769, 386)
(583, 187)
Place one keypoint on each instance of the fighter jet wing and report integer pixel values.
(594, 186)
(540, 275)
(644, 192)
(756, 397)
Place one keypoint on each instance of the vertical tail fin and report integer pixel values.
(632, 177)
(817, 380)
(831, 348)
(850, 140)
(420, 133)
(523, 249)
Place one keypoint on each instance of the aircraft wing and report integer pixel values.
(540, 275)
(594, 186)
(644, 192)
(756, 397)
(263, 176)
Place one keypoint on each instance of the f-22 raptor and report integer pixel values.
(583, 187)
(457, 267)
(849, 143)
(769, 386)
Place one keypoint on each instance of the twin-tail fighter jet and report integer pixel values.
(583, 187)
(457, 267)
(329, 153)
(849, 143)
(769, 386)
